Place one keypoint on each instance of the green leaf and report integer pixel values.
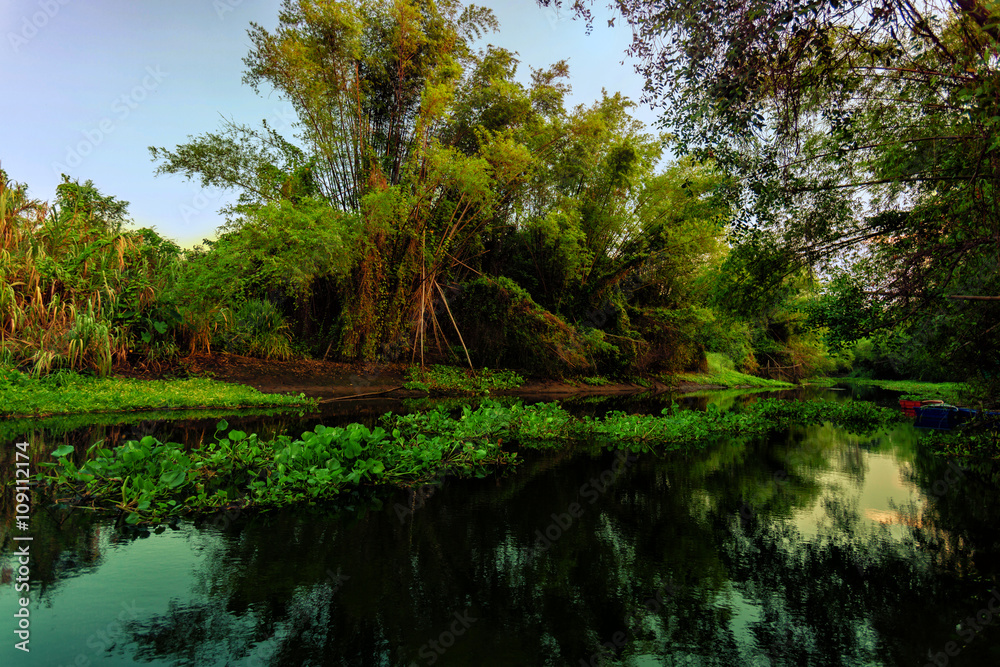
(174, 478)
(62, 450)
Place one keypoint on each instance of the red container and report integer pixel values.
(909, 407)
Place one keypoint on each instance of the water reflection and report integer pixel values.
(815, 547)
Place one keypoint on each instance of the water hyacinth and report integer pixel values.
(150, 480)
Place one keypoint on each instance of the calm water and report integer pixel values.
(815, 547)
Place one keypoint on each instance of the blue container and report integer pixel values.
(937, 417)
(963, 415)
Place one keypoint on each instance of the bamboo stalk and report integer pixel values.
(452, 318)
(423, 292)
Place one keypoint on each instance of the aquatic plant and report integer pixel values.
(978, 438)
(149, 479)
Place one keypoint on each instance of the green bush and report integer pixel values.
(259, 330)
(843, 361)
(672, 340)
(503, 327)
(611, 358)
(720, 334)
(898, 355)
(454, 380)
(865, 358)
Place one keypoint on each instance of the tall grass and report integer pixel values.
(259, 330)
(71, 280)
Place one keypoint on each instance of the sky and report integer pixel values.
(88, 85)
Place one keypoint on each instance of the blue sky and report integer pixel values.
(88, 85)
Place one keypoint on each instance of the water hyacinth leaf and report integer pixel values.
(173, 478)
(62, 450)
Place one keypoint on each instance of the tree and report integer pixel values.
(857, 127)
(372, 84)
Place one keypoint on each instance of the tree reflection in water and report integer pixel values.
(761, 552)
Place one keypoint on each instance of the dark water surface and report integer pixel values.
(814, 547)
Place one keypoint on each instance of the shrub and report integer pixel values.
(503, 327)
(259, 330)
(672, 341)
(454, 380)
(615, 358)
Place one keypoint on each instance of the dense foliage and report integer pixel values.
(864, 137)
(76, 288)
(434, 205)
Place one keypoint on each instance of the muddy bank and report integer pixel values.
(329, 379)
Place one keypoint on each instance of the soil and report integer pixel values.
(329, 379)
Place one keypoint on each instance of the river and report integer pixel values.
(812, 547)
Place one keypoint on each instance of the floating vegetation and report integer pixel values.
(150, 480)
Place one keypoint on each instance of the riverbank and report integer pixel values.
(950, 392)
(328, 379)
(229, 381)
